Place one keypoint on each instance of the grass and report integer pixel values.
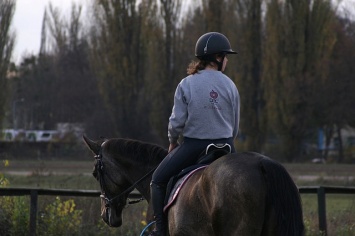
(77, 175)
(340, 214)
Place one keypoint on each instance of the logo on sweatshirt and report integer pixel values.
(213, 99)
(214, 96)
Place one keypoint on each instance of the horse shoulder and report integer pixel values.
(189, 214)
(235, 192)
(229, 190)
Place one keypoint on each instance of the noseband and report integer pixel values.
(99, 167)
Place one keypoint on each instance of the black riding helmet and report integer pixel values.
(210, 44)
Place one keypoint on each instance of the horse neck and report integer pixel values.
(139, 174)
(134, 167)
(144, 188)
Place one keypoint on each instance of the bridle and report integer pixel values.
(99, 167)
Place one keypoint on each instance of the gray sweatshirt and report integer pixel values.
(206, 106)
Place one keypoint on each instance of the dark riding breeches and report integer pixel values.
(183, 156)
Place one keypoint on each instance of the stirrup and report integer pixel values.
(146, 227)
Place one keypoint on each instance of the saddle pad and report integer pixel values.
(178, 186)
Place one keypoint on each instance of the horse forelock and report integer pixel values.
(138, 151)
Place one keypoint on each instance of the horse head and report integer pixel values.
(114, 186)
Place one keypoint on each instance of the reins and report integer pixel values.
(128, 190)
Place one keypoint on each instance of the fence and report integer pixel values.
(33, 193)
(321, 192)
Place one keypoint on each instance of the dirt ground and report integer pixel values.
(300, 172)
(28, 167)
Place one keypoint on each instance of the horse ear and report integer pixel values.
(92, 145)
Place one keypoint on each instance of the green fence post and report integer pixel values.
(322, 210)
(33, 212)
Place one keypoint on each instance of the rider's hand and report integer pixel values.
(172, 146)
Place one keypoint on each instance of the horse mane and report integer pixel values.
(137, 150)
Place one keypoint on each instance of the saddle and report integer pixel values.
(211, 153)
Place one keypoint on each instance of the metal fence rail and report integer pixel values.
(321, 192)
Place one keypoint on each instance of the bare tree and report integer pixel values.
(7, 40)
(299, 41)
(60, 87)
(248, 70)
(117, 58)
(166, 56)
(335, 109)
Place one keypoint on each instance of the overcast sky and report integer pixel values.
(28, 17)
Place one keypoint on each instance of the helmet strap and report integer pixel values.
(212, 58)
(220, 63)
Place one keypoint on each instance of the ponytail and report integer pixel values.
(195, 66)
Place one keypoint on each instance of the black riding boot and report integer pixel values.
(157, 193)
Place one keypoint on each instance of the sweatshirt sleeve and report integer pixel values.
(237, 115)
(178, 116)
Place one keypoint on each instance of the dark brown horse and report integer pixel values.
(238, 194)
